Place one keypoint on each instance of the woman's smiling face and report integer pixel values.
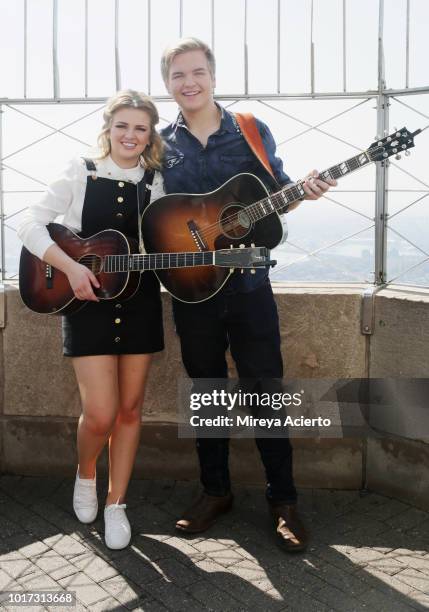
(129, 136)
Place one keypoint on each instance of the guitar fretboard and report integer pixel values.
(281, 200)
(156, 261)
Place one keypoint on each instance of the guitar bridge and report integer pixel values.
(49, 275)
(193, 228)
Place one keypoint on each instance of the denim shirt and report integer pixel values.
(189, 167)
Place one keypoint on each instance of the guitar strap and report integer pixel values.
(249, 129)
(144, 188)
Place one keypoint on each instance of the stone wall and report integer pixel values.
(321, 338)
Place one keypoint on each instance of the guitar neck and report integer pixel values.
(137, 262)
(281, 200)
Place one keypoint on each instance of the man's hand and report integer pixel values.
(315, 187)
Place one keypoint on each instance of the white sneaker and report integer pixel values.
(117, 529)
(85, 503)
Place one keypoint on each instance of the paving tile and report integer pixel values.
(136, 569)
(338, 600)
(414, 578)
(411, 518)
(389, 583)
(17, 568)
(228, 557)
(125, 591)
(56, 566)
(173, 597)
(176, 572)
(87, 591)
(37, 580)
(387, 565)
(6, 581)
(68, 546)
(213, 598)
(418, 598)
(95, 567)
(388, 601)
(415, 561)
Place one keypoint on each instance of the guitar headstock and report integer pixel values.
(394, 144)
(243, 257)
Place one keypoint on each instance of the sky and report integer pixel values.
(271, 68)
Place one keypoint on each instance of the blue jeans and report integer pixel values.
(248, 323)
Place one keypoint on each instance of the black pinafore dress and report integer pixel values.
(114, 327)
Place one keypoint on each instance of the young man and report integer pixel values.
(205, 148)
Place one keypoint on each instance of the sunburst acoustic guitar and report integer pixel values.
(240, 212)
(109, 255)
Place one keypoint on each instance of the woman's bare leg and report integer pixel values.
(97, 378)
(133, 371)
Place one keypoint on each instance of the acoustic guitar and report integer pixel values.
(110, 257)
(241, 211)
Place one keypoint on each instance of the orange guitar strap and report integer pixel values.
(250, 131)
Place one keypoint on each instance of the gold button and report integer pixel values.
(117, 339)
(120, 199)
(121, 184)
(117, 321)
(119, 215)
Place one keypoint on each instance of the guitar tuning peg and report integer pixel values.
(242, 270)
(253, 245)
(231, 246)
(231, 270)
(242, 246)
(398, 156)
(407, 153)
(252, 271)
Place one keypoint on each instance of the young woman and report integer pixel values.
(111, 342)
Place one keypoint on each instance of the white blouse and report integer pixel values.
(65, 196)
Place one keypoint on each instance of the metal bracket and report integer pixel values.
(367, 311)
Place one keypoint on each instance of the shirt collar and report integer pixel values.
(227, 121)
(116, 172)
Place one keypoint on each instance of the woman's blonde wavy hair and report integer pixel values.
(128, 98)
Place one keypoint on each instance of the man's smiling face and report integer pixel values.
(190, 81)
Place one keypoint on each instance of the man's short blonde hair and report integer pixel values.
(181, 46)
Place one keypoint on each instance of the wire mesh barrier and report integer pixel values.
(326, 93)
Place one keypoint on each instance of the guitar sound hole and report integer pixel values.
(92, 262)
(235, 222)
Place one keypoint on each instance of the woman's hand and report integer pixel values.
(82, 281)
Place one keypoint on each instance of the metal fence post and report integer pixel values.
(2, 245)
(381, 200)
(381, 172)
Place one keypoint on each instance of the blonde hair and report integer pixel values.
(128, 98)
(181, 46)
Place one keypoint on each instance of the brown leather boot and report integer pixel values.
(204, 512)
(291, 532)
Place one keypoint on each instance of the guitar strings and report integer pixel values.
(214, 228)
(181, 256)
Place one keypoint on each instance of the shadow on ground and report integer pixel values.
(367, 552)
